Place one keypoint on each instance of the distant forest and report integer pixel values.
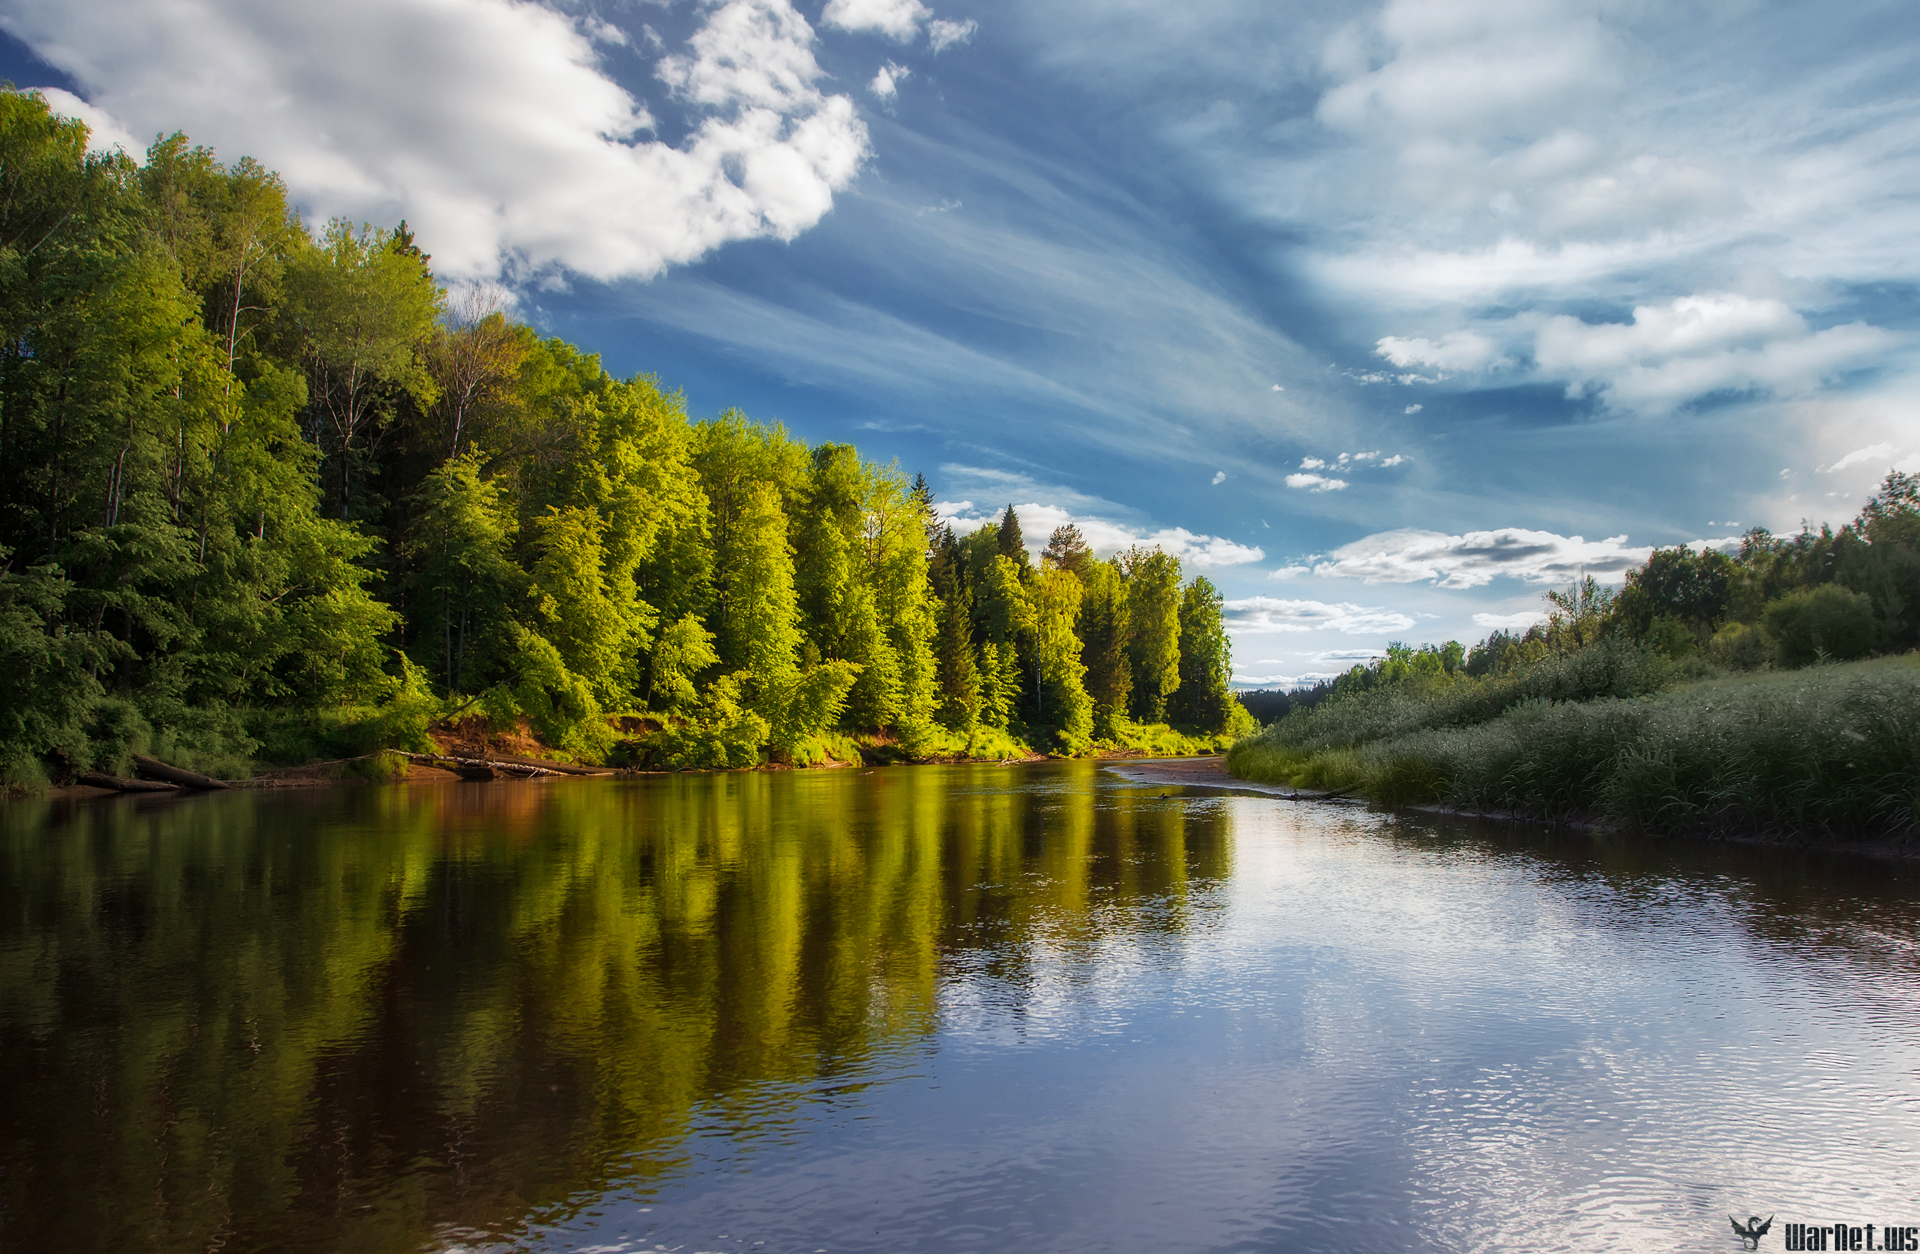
(268, 496)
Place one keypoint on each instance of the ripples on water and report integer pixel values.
(931, 1009)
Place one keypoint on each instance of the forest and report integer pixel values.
(1771, 690)
(269, 495)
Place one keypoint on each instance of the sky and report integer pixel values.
(1385, 318)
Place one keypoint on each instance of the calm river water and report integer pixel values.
(931, 1009)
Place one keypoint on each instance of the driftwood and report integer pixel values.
(100, 779)
(479, 769)
(154, 768)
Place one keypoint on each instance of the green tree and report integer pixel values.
(1105, 629)
(363, 311)
(1062, 699)
(1204, 699)
(1153, 616)
(466, 581)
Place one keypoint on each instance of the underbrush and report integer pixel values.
(1829, 751)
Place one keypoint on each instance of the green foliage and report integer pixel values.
(1739, 647)
(1204, 699)
(723, 733)
(464, 579)
(1153, 617)
(1063, 702)
(1816, 624)
(683, 651)
(266, 496)
(1106, 629)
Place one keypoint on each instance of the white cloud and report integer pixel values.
(1316, 483)
(896, 19)
(1105, 537)
(1872, 453)
(1263, 614)
(1673, 353)
(945, 34)
(1397, 458)
(887, 79)
(1478, 557)
(1290, 572)
(1509, 622)
(1414, 409)
(489, 125)
(1461, 350)
(899, 20)
(1219, 477)
(104, 132)
(1312, 463)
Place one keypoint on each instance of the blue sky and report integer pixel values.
(1387, 318)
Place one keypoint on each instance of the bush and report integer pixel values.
(1740, 647)
(1827, 622)
(1833, 752)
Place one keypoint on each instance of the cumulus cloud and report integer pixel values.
(1258, 614)
(1219, 477)
(887, 79)
(1479, 557)
(1414, 409)
(489, 125)
(896, 19)
(1509, 622)
(104, 132)
(1316, 483)
(1695, 345)
(1105, 538)
(1462, 350)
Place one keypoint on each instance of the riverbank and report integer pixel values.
(1828, 754)
(456, 759)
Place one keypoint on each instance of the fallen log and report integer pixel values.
(479, 769)
(100, 779)
(154, 768)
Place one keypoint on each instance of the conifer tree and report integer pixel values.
(1012, 545)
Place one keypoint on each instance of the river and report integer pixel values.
(932, 1009)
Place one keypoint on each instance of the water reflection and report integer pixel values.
(346, 1021)
(930, 1008)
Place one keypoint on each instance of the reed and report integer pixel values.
(1828, 752)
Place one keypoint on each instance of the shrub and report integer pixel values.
(1740, 647)
(1824, 622)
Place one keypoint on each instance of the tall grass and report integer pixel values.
(1831, 751)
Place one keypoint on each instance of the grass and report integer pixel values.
(1829, 752)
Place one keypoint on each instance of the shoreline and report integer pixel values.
(338, 773)
(1211, 773)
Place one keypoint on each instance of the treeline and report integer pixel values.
(267, 495)
(1688, 700)
(1777, 602)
